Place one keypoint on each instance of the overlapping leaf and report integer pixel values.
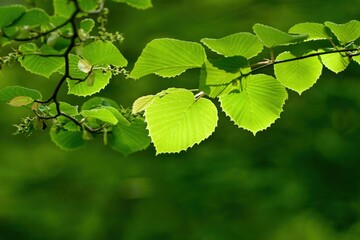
(335, 62)
(257, 105)
(272, 37)
(316, 31)
(10, 13)
(298, 75)
(238, 44)
(9, 93)
(129, 138)
(168, 58)
(65, 139)
(177, 121)
(347, 32)
(101, 114)
(33, 17)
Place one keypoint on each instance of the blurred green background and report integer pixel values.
(299, 180)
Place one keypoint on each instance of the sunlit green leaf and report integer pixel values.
(66, 140)
(140, 4)
(103, 53)
(257, 105)
(335, 62)
(177, 121)
(142, 103)
(238, 44)
(356, 59)
(64, 8)
(102, 114)
(298, 75)
(130, 138)
(10, 13)
(83, 89)
(347, 32)
(316, 31)
(87, 24)
(9, 93)
(168, 58)
(272, 37)
(65, 108)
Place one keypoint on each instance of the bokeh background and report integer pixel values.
(299, 180)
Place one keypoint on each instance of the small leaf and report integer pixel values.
(10, 13)
(129, 139)
(316, 31)
(140, 4)
(91, 79)
(21, 101)
(84, 66)
(142, 103)
(9, 93)
(335, 61)
(87, 24)
(257, 105)
(103, 53)
(66, 140)
(298, 75)
(168, 58)
(272, 37)
(89, 5)
(177, 121)
(65, 108)
(347, 32)
(238, 44)
(101, 114)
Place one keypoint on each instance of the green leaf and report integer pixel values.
(66, 140)
(347, 32)
(142, 103)
(84, 66)
(21, 101)
(9, 93)
(33, 17)
(65, 108)
(297, 75)
(88, 5)
(83, 89)
(335, 61)
(177, 121)
(272, 37)
(218, 77)
(41, 65)
(316, 31)
(131, 138)
(103, 53)
(87, 24)
(238, 44)
(168, 58)
(356, 59)
(257, 105)
(101, 114)
(64, 8)
(10, 13)
(140, 4)
(97, 102)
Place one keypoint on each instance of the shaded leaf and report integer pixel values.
(140, 4)
(66, 140)
(10, 13)
(11, 92)
(33, 17)
(65, 108)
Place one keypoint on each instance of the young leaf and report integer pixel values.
(347, 32)
(10, 13)
(103, 53)
(9, 93)
(257, 105)
(140, 4)
(298, 75)
(131, 138)
(272, 37)
(102, 114)
(142, 103)
(21, 101)
(335, 61)
(316, 31)
(97, 102)
(87, 24)
(168, 58)
(238, 44)
(66, 140)
(177, 121)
